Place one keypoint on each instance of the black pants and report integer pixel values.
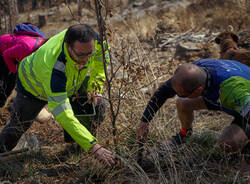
(242, 122)
(24, 111)
(7, 82)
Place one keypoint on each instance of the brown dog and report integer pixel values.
(229, 49)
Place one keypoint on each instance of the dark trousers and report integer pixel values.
(242, 122)
(7, 82)
(25, 110)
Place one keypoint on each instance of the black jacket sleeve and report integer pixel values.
(164, 92)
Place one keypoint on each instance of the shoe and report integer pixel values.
(176, 140)
(179, 139)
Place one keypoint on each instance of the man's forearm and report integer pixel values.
(158, 99)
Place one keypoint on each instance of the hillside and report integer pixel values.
(148, 40)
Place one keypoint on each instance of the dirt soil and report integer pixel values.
(150, 21)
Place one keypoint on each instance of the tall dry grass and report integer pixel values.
(139, 74)
(139, 70)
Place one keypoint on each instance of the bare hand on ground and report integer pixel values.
(103, 154)
(94, 97)
(142, 132)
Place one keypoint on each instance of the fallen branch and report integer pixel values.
(5, 154)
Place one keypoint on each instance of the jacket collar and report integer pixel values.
(209, 81)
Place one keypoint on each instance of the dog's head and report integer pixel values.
(226, 36)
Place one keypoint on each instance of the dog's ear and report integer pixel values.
(235, 37)
(230, 29)
(217, 40)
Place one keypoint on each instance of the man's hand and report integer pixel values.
(142, 132)
(103, 155)
(94, 97)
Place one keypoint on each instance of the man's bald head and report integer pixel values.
(189, 77)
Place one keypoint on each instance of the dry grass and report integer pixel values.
(134, 53)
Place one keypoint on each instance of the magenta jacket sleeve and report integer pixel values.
(24, 46)
(15, 54)
(6, 41)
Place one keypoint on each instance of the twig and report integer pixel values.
(140, 153)
(71, 12)
(102, 29)
(5, 154)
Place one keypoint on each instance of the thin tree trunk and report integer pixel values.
(13, 14)
(34, 4)
(80, 7)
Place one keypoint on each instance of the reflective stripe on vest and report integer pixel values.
(59, 66)
(57, 99)
(32, 74)
(61, 108)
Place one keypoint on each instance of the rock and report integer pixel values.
(27, 141)
(188, 46)
(144, 90)
(244, 39)
(185, 50)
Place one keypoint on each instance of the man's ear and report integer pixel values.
(200, 89)
(197, 92)
(67, 46)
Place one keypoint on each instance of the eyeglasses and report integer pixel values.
(80, 55)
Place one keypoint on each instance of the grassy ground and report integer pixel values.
(137, 55)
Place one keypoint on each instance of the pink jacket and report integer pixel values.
(15, 48)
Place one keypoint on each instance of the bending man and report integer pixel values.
(198, 87)
(53, 74)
